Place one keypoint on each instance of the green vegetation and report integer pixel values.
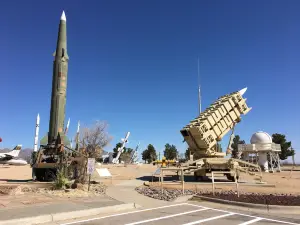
(286, 147)
(61, 180)
(236, 141)
(149, 154)
(170, 152)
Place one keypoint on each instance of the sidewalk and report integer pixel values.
(125, 192)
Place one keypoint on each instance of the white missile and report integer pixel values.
(243, 91)
(121, 149)
(78, 126)
(36, 137)
(77, 134)
(125, 140)
(67, 128)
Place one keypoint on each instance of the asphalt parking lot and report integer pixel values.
(180, 214)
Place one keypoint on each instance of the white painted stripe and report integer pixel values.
(126, 213)
(165, 217)
(208, 219)
(279, 221)
(241, 214)
(251, 221)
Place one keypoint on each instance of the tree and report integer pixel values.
(236, 141)
(170, 152)
(92, 140)
(187, 154)
(149, 154)
(115, 149)
(145, 155)
(286, 147)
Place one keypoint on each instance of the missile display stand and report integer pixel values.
(254, 153)
(204, 132)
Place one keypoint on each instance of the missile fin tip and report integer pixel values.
(63, 16)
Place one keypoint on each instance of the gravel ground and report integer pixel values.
(257, 198)
(167, 195)
(97, 189)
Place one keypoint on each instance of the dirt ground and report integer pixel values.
(284, 182)
(15, 173)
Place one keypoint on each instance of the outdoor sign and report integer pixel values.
(90, 166)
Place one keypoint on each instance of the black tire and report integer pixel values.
(50, 175)
(39, 174)
(231, 178)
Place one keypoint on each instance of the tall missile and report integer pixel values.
(59, 85)
(36, 136)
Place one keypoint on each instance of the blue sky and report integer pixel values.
(134, 65)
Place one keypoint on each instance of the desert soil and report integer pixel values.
(284, 184)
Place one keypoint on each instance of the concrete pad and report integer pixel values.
(62, 210)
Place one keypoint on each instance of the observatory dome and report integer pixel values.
(261, 137)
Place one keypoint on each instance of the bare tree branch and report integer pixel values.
(95, 138)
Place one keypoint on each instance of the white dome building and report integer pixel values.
(262, 146)
(261, 137)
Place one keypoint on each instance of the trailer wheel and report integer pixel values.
(231, 178)
(39, 174)
(50, 175)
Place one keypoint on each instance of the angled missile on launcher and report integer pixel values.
(121, 149)
(204, 133)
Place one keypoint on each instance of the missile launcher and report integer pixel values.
(203, 133)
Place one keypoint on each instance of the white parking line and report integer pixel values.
(241, 214)
(208, 219)
(165, 217)
(251, 221)
(126, 213)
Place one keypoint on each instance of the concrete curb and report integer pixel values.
(69, 215)
(245, 204)
(183, 198)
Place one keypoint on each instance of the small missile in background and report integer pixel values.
(36, 136)
(125, 140)
(67, 128)
(78, 126)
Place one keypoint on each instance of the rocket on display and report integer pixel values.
(56, 131)
(36, 136)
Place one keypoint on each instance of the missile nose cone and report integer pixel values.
(63, 16)
(243, 91)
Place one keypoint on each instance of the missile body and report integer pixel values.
(36, 136)
(59, 84)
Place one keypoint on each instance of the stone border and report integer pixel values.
(69, 215)
(245, 204)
